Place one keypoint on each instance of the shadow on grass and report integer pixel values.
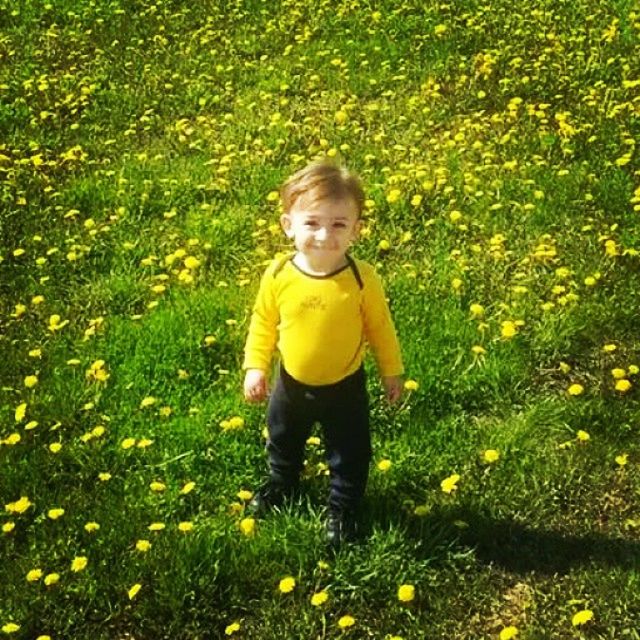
(506, 543)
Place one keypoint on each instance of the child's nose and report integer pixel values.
(322, 233)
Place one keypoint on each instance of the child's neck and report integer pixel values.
(317, 268)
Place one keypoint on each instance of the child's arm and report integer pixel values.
(261, 340)
(381, 336)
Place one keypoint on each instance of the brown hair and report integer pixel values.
(322, 179)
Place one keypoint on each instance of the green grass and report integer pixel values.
(134, 135)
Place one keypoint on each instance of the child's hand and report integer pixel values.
(393, 386)
(255, 385)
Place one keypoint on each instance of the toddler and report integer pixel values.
(320, 308)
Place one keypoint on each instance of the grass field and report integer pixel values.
(142, 144)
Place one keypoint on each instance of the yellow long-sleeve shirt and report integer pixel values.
(321, 324)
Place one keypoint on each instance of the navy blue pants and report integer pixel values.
(342, 409)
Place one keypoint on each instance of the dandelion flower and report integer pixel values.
(477, 310)
(618, 373)
(478, 350)
(30, 381)
(583, 436)
(509, 329)
(191, 262)
(575, 389)
(157, 487)
(34, 574)
(384, 465)
(19, 506)
(79, 563)
(384, 245)
(346, 621)
(247, 526)
(490, 456)
(90, 527)
(411, 385)
(621, 460)
(450, 484)
(21, 412)
(406, 593)
(8, 527)
(51, 578)
(104, 476)
(147, 402)
(319, 598)
(287, 585)
(508, 633)
(54, 514)
(623, 385)
(10, 627)
(143, 546)
(157, 526)
(185, 527)
(133, 592)
(582, 617)
(609, 348)
(127, 443)
(230, 629)
(188, 488)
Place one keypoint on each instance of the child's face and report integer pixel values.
(322, 230)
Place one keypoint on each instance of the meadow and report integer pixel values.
(142, 145)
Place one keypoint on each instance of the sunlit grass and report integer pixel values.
(139, 149)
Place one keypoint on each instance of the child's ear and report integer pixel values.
(285, 223)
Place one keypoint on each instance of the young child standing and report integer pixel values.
(320, 308)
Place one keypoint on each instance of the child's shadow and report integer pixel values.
(503, 542)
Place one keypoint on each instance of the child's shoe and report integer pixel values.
(341, 527)
(271, 495)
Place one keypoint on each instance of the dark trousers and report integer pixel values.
(342, 409)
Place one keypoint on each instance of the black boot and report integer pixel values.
(341, 527)
(271, 495)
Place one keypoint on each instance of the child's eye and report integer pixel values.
(339, 225)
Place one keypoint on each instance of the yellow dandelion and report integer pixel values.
(411, 385)
(384, 465)
(8, 527)
(247, 526)
(575, 389)
(143, 546)
(508, 633)
(582, 617)
(133, 592)
(490, 455)
(51, 578)
(91, 527)
(583, 436)
(127, 443)
(187, 488)
(21, 412)
(79, 563)
(609, 348)
(346, 621)
(509, 329)
(623, 385)
(147, 402)
(287, 584)
(34, 574)
(477, 310)
(406, 592)
(185, 527)
(30, 381)
(622, 459)
(54, 514)
(245, 495)
(450, 484)
(104, 476)
(230, 629)
(10, 627)
(319, 598)
(19, 506)
(618, 373)
(157, 487)
(157, 526)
